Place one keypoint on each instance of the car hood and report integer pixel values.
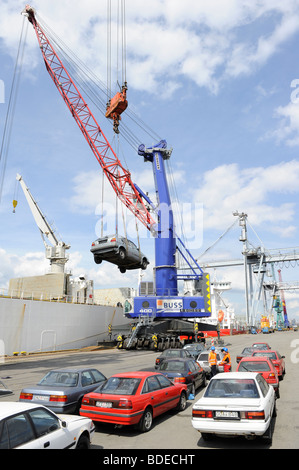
(229, 403)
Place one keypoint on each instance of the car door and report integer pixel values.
(156, 397)
(49, 430)
(194, 372)
(171, 392)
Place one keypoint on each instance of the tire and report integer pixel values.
(274, 412)
(144, 264)
(267, 437)
(83, 443)
(207, 436)
(204, 382)
(146, 421)
(122, 253)
(97, 260)
(182, 404)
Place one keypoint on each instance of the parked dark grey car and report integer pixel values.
(120, 251)
(62, 390)
(194, 349)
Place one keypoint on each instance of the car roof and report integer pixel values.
(180, 359)
(140, 374)
(235, 375)
(8, 408)
(266, 351)
(255, 358)
(71, 369)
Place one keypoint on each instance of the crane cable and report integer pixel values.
(12, 105)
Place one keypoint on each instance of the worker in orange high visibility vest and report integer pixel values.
(213, 361)
(226, 360)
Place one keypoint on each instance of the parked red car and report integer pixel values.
(264, 366)
(276, 358)
(134, 398)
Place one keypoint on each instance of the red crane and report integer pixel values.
(119, 177)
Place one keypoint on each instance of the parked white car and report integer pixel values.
(29, 426)
(236, 404)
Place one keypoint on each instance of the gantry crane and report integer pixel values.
(286, 320)
(56, 251)
(165, 303)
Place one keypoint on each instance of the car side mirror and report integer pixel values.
(283, 357)
(64, 424)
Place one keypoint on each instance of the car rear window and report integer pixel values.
(175, 353)
(177, 366)
(232, 388)
(254, 366)
(119, 386)
(60, 379)
(205, 357)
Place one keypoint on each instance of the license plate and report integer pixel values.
(226, 414)
(40, 397)
(104, 404)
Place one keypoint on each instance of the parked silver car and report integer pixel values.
(120, 251)
(203, 361)
(62, 390)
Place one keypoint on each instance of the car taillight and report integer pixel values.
(86, 400)
(181, 380)
(157, 361)
(254, 415)
(271, 375)
(59, 398)
(26, 396)
(113, 239)
(125, 404)
(202, 413)
(93, 244)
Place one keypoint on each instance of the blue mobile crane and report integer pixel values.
(161, 317)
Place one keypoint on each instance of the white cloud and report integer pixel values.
(167, 40)
(227, 188)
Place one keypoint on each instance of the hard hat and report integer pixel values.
(212, 348)
(225, 349)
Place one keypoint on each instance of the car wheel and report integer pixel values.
(83, 443)
(97, 260)
(267, 437)
(207, 436)
(146, 421)
(122, 253)
(274, 413)
(144, 264)
(182, 404)
(122, 269)
(204, 381)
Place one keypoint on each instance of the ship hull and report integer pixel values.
(32, 326)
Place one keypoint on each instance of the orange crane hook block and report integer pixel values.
(116, 106)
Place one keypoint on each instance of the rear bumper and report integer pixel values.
(125, 419)
(235, 428)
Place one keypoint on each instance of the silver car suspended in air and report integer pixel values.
(120, 251)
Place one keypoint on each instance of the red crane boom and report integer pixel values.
(119, 177)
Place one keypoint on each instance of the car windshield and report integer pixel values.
(119, 386)
(177, 366)
(260, 346)
(270, 355)
(232, 388)
(60, 378)
(247, 350)
(254, 366)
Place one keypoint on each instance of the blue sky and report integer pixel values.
(218, 80)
